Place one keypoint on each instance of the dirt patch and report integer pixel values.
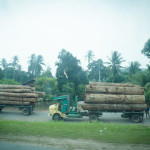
(71, 144)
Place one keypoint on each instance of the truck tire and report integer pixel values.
(141, 118)
(56, 117)
(26, 111)
(1, 109)
(136, 118)
(93, 118)
(31, 111)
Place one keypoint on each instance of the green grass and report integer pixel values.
(135, 134)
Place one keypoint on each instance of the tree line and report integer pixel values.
(70, 75)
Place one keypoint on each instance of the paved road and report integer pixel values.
(15, 114)
(18, 146)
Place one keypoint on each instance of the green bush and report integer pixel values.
(9, 81)
(147, 93)
(47, 85)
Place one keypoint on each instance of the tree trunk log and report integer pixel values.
(6, 98)
(41, 94)
(4, 86)
(114, 99)
(14, 103)
(17, 90)
(33, 88)
(25, 95)
(113, 84)
(114, 90)
(115, 107)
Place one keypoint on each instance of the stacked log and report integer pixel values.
(114, 97)
(115, 90)
(18, 95)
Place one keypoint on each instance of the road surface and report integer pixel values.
(14, 114)
(17, 146)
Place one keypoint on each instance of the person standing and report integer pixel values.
(147, 112)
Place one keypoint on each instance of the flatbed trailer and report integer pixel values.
(26, 109)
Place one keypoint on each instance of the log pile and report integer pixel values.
(18, 95)
(114, 97)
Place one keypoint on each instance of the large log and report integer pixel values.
(113, 84)
(114, 90)
(6, 98)
(41, 94)
(16, 90)
(115, 107)
(14, 103)
(4, 86)
(33, 88)
(114, 99)
(25, 95)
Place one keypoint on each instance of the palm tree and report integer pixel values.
(134, 67)
(89, 56)
(15, 65)
(146, 49)
(39, 64)
(115, 64)
(35, 65)
(31, 62)
(4, 65)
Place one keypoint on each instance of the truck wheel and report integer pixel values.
(141, 118)
(1, 109)
(136, 118)
(56, 117)
(26, 111)
(31, 111)
(93, 118)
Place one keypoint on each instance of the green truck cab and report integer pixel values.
(63, 109)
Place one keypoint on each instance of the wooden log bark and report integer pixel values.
(6, 98)
(16, 90)
(41, 94)
(33, 88)
(113, 84)
(25, 95)
(14, 103)
(114, 90)
(114, 99)
(4, 86)
(115, 107)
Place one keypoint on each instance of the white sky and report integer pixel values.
(46, 26)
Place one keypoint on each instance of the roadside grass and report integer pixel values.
(113, 133)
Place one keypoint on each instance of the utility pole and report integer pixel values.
(99, 76)
(99, 72)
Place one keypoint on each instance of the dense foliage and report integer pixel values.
(71, 77)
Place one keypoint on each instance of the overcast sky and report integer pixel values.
(44, 27)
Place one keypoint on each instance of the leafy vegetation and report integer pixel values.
(71, 77)
(146, 49)
(48, 85)
(69, 73)
(9, 81)
(115, 65)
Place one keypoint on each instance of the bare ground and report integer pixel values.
(70, 144)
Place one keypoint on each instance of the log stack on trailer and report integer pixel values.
(114, 97)
(23, 97)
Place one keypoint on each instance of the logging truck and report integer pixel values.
(19, 96)
(62, 109)
(127, 99)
